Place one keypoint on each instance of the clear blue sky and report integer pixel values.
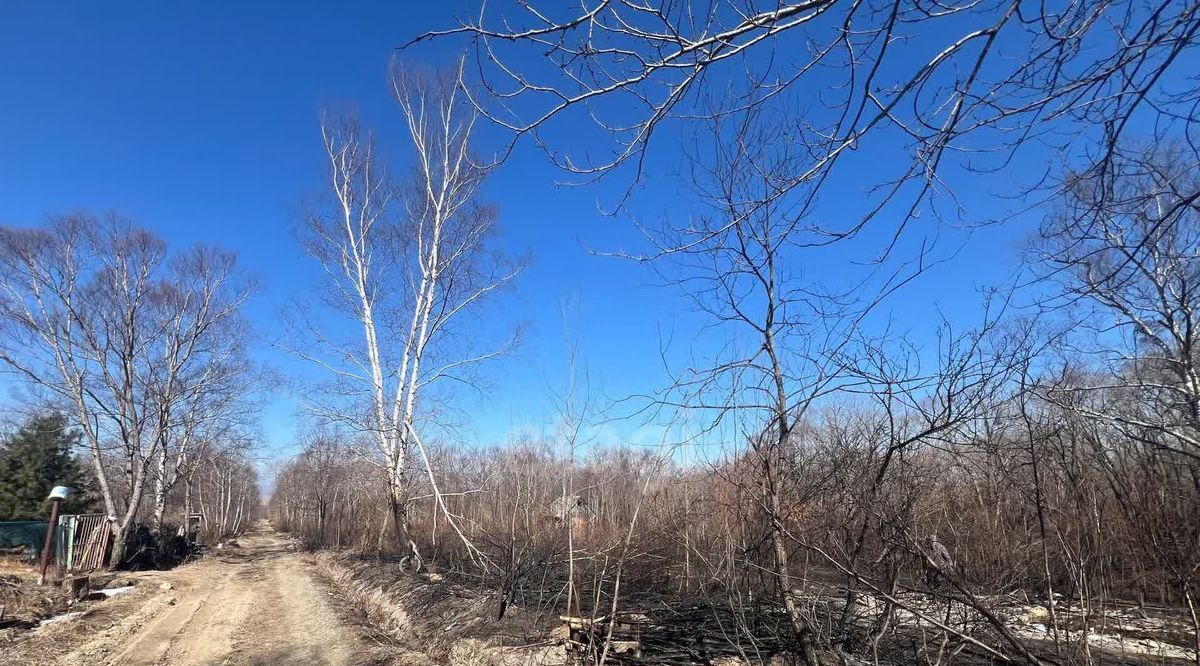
(200, 122)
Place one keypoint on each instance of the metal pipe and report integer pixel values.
(56, 497)
(49, 545)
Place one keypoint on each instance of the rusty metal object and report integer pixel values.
(56, 497)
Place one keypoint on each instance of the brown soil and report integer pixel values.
(258, 603)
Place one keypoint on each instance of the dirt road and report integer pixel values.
(258, 603)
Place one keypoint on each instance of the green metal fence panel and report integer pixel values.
(81, 542)
(28, 533)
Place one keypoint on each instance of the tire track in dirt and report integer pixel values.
(257, 605)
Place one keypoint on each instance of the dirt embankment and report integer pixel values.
(442, 622)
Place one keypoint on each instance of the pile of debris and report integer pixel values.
(146, 549)
(679, 635)
(24, 603)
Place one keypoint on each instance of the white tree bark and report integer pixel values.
(404, 282)
(98, 316)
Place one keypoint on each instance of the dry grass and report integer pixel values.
(448, 623)
(26, 603)
(17, 566)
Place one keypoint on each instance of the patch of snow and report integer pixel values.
(1143, 646)
(65, 617)
(114, 591)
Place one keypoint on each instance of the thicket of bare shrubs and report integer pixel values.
(1027, 504)
(1043, 461)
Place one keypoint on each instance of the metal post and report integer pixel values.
(56, 497)
(49, 544)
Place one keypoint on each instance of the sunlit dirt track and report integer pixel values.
(260, 602)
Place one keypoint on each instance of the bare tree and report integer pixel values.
(933, 89)
(204, 384)
(789, 337)
(1124, 248)
(406, 263)
(1124, 251)
(226, 488)
(97, 315)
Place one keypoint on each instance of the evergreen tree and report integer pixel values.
(35, 459)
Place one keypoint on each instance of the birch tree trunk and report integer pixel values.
(98, 316)
(403, 276)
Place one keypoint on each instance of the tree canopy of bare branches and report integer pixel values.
(1125, 248)
(930, 91)
(406, 261)
(142, 347)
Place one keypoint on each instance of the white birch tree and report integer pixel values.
(98, 317)
(405, 263)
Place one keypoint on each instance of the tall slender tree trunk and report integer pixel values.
(398, 503)
(779, 546)
(771, 462)
(187, 500)
(160, 490)
(121, 528)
